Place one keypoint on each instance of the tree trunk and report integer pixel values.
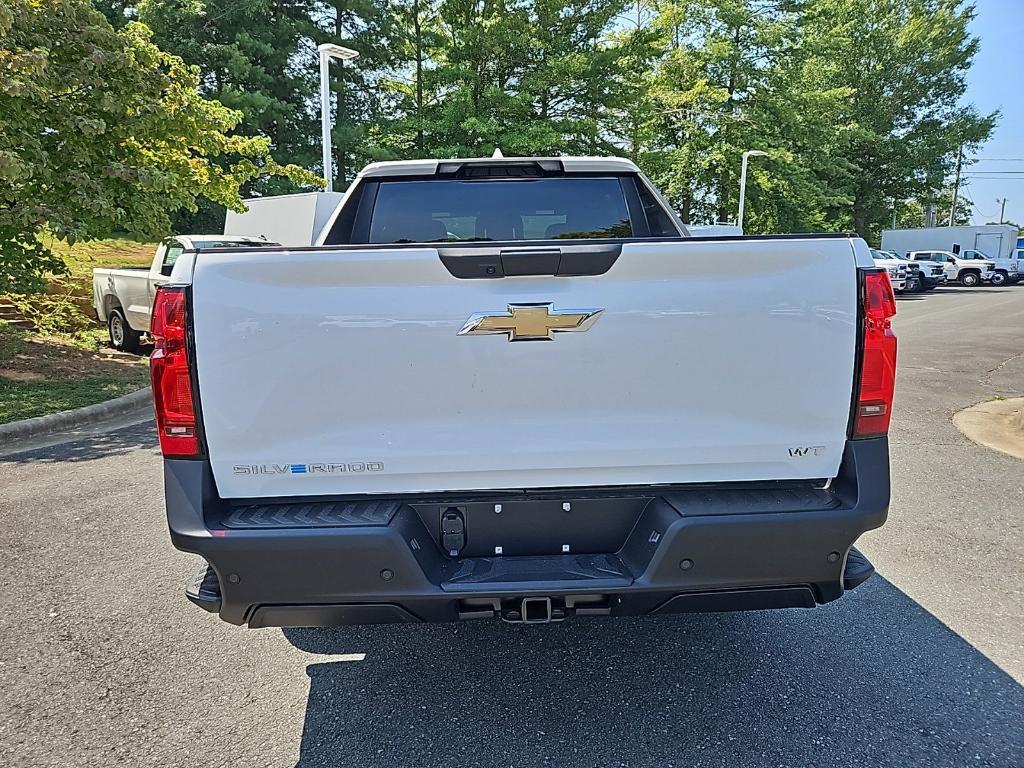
(730, 106)
(339, 104)
(418, 31)
(860, 216)
(686, 209)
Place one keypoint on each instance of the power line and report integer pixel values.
(974, 205)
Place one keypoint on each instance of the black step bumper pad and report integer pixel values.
(307, 563)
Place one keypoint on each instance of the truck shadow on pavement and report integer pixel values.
(84, 446)
(873, 679)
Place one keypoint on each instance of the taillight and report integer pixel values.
(878, 358)
(172, 381)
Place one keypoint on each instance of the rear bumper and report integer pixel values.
(317, 563)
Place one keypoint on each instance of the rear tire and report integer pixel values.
(122, 336)
(970, 279)
(1000, 278)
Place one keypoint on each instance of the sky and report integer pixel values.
(994, 83)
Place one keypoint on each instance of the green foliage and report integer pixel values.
(855, 101)
(858, 103)
(912, 213)
(243, 49)
(896, 135)
(725, 85)
(104, 132)
(63, 309)
(24, 260)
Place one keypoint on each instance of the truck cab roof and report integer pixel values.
(435, 166)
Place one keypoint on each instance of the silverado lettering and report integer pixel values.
(298, 469)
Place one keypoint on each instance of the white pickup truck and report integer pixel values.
(1005, 271)
(968, 270)
(903, 275)
(123, 297)
(517, 389)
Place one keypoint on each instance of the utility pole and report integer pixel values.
(1002, 208)
(956, 184)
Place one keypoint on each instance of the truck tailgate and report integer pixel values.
(343, 371)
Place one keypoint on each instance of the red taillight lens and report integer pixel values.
(878, 361)
(172, 381)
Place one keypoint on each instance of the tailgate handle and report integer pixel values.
(521, 262)
(490, 261)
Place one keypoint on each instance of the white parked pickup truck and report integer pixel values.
(1005, 270)
(123, 298)
(901, 274)
(930, 274)
(968, 271)
(516, 388)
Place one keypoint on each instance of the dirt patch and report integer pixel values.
(26, 357)
(996, 424)
(12, 375)
(46, 374)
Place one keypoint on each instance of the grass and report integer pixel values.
(81, 258)
(42, 374)
(23, 400)
(71, 366)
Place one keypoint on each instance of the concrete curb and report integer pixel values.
(90, 414)
(996, 424)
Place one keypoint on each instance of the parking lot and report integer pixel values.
(103, 661)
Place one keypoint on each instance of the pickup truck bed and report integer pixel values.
(123, 297)
(428, 424)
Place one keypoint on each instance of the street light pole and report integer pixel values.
(743, 181)
(327, 52)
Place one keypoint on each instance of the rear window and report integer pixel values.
(449, 210)
(202, 245)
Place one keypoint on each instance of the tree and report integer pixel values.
(528, 76)
(897, 134)
(244, 52)
(727, 82)
(364, 89)
(911, 213)
(104, 132)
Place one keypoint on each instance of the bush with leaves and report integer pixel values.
(103, 132)
(59, 310)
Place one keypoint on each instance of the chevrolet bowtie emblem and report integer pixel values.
(530, 322)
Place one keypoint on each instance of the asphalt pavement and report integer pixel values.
(103, 661)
